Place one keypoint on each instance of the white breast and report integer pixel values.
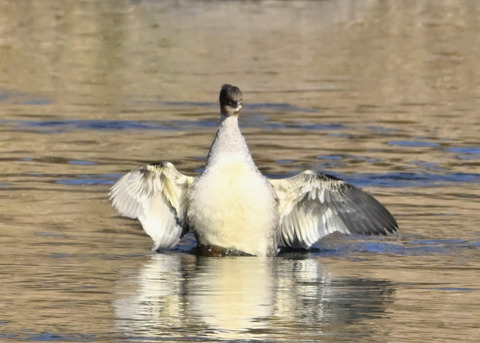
(233, 206)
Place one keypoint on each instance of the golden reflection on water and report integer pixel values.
(369, 90)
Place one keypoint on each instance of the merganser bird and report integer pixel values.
(232, 206)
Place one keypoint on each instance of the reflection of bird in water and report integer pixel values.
(233, 295)
(231, 206)
(186, 294)
(186, 297)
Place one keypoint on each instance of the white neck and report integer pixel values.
(229, 143)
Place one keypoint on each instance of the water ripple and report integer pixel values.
(405, 179)
(418, 144)
(58, 126)
(415, 248)
(284, 107)
(359, 179)
(60, 337)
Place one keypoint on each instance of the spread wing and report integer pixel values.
(313, 205)
(155, 194)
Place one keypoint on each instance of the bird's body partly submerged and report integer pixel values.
(232, 206)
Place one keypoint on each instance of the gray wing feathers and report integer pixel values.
(313, 205)
(155, 194)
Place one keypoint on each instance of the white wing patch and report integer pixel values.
(313, 205)
(156, 195)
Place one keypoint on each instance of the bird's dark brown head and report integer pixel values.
(230, 100)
